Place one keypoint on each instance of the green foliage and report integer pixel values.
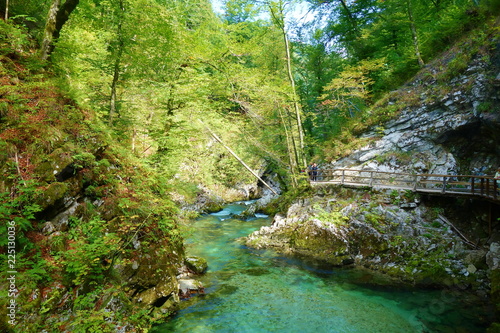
(12, 37)
(376, 220)
(86, 318)
(84, 159)
(400, 157)
(20, 208)
(93, 244)
(433, 213)
(395, 198)
(239, 11)
(455, 67)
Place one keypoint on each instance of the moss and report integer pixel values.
(281, 204)
(150, 296)
(212, 207)
(333, 217)
(51, 194)
(310, 240)
(433, 275)
(196, 264)
(54, 163)
(495, 297)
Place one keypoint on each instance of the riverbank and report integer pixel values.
(411, 240)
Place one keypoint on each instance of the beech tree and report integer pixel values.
(277, 11)
(58, 15)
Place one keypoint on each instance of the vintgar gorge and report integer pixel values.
(249, 166)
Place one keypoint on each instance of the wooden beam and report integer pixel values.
(468, 242)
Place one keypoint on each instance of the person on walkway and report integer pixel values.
(497, 180)
(313, 172)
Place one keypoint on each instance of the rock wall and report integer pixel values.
(97, 248)
(449, 127)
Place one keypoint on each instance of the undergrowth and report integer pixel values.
(53, 156)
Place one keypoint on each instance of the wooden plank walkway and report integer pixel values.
(486, 187)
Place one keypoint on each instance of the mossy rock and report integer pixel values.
(51, 194)
(162, 291)
(320, 244)
(212, 207)
(432, 276)
(495, 290)
(166, 309)
(53, 164)
(196, 264)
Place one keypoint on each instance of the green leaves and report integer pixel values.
(93, 245)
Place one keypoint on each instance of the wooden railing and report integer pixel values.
(483, 186)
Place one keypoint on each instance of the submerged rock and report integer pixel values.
(189, 287)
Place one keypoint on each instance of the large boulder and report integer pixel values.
(409, 245)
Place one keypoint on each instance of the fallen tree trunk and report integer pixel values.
(237, 157)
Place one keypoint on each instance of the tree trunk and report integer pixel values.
(301, 158)
(6, 10)
(116, 69)
(279, 19)
(289, 148)
(114, 85)
(50, 27)
(414, 34)
(58, 16)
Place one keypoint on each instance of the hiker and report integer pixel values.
(313, 172)
(497, 180)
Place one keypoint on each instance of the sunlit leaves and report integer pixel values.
(352, 87)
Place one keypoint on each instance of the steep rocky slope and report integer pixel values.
(449, 119)
(95, 242)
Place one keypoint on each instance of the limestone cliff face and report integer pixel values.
(450, 126)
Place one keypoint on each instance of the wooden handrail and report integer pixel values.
(485, 186)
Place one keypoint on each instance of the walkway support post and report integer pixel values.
(495, 189)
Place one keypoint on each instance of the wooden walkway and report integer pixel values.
(485, 187)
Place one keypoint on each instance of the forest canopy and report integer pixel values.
(272, 84)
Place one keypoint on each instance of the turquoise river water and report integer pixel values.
(249, 290)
